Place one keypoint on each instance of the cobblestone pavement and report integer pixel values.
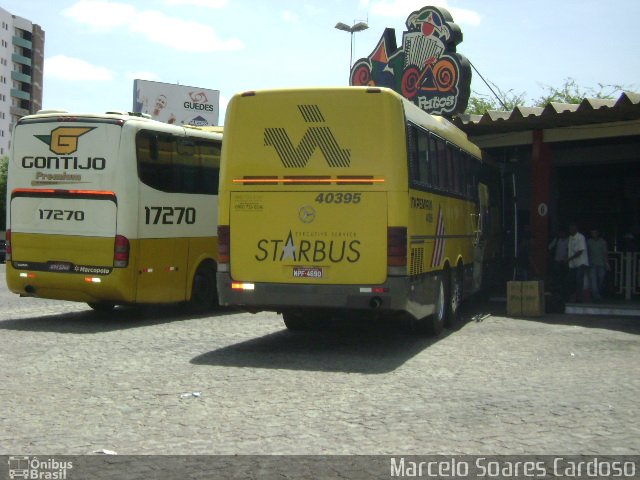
(158, 381)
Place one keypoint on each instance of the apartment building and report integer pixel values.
(21, 72)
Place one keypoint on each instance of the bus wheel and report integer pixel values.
(101, 306)
(295, 321)
(434, 324)
(453, 313)
(204, 295)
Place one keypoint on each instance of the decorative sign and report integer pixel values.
(426, 70)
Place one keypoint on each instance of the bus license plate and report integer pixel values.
(60, 266)
(307, 272)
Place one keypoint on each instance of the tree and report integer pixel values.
(569, 92)
(479, 104)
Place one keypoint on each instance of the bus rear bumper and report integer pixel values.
(115, 287)
(397, 294)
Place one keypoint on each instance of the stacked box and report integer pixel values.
(525, 299)
(533, 298)
(514, 298)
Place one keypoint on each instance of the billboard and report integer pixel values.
(177, 104)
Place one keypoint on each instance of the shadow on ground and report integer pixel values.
(355, 346)
(121, 318)
(626, 324)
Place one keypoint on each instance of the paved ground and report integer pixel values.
(157, 381)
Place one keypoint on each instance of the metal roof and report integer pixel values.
(589, 111)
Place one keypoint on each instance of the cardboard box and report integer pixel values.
(533, 299)
(514, 298)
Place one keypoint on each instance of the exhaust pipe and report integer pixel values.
(30, 289)
(375, 303)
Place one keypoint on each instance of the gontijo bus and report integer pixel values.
(111, 209)
(348, 198)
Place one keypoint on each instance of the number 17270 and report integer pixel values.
(169, 215)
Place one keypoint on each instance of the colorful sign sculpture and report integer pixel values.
(426, 70)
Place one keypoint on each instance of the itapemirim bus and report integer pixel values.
(112, 209)
(342, 199)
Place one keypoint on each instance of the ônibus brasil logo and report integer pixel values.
(64, 140)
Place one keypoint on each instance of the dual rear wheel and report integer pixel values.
(204, 292)
(447, 304)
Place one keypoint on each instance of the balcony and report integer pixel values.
(20, 59)
(22, 42)
(18, 111)
(21, 77)
(20, 94)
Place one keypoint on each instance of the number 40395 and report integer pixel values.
(339, 197)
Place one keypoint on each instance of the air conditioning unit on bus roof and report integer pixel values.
(45, 112)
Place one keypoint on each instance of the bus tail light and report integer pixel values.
(121, 252)
(224, 243)
(8, 246)
(397, 246)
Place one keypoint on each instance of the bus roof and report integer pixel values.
(440, 126)
(142, 118)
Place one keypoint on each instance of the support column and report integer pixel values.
(540, 197)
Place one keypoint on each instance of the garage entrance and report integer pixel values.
(573, 163)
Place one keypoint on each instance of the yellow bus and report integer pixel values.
(112, 209)
(342, 199)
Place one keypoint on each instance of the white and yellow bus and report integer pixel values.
(342, 199)
(112, 209)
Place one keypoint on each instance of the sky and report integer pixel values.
(94, 49)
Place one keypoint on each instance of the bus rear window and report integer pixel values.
(176, 164)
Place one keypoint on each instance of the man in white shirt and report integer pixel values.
(578, 260)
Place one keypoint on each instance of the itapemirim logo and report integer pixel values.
(64, 140)
(319, 136)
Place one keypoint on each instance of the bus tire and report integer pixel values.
(204, 294)
(295, 321)
(103, 307)
(433, 325)
(455, 300)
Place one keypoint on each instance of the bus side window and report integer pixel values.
(458, 172)
(208, 154)
(412, 154)
(186, 167)
(423, 158)
(443, 181)
(433, 156)
(464, 189)
(153, 148)
(452, 174)
(469, 176)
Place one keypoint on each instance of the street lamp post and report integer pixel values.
(356, 27)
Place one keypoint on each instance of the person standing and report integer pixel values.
(559, 248)
(578, 260)
(598, 263)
